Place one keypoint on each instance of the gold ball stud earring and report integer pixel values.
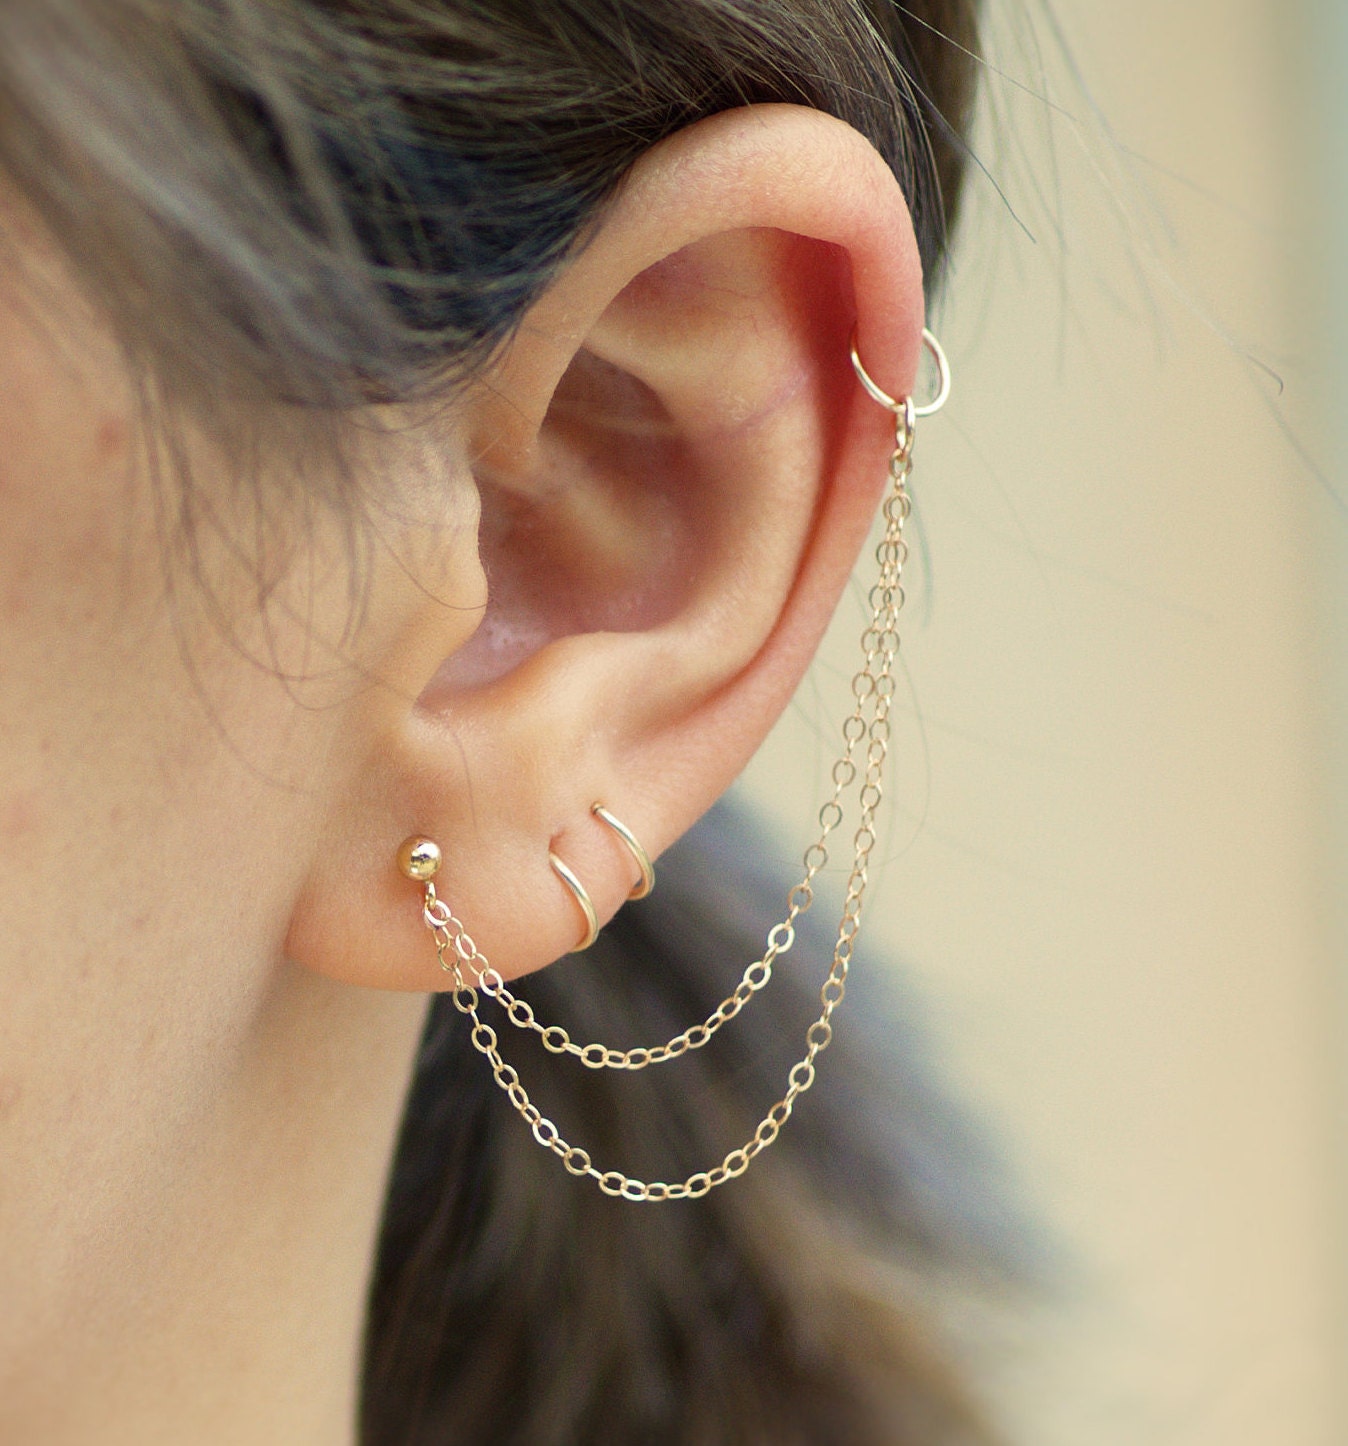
(419, 859)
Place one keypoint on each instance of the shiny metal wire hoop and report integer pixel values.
(569, 878)
(878, 394)
(639, 854)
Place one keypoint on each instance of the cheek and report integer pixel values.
(136, 742)
(78, 572)
(71, 514)
(69, 535)
(139, 862)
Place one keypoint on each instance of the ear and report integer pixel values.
(676, 470)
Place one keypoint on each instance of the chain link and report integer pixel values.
(872, 692)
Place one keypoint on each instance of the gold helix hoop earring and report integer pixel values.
(876, 394)
(643, 860)
(866, 733)
(569, 878)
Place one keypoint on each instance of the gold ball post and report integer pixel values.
(419, 859)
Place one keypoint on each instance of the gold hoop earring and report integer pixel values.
(868, 722)
(643, 860)
(878, 394)
(569, 878)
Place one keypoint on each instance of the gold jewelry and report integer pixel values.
(582, 898)
(872, 692)
(419, 858)
(643, 860)
(877, 394)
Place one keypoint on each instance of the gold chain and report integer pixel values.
(873, 692)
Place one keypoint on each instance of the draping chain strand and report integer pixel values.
(873, 692)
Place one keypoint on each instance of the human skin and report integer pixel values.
(213, 976)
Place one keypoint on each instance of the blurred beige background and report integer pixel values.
(1113, 868)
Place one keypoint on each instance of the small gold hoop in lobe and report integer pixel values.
(581, 898)
(878, 393)
(643, 859)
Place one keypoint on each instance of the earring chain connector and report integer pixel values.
(873, 689)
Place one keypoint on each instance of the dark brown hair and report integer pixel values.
(357, 199)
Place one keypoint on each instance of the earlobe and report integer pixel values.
(677, 470)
